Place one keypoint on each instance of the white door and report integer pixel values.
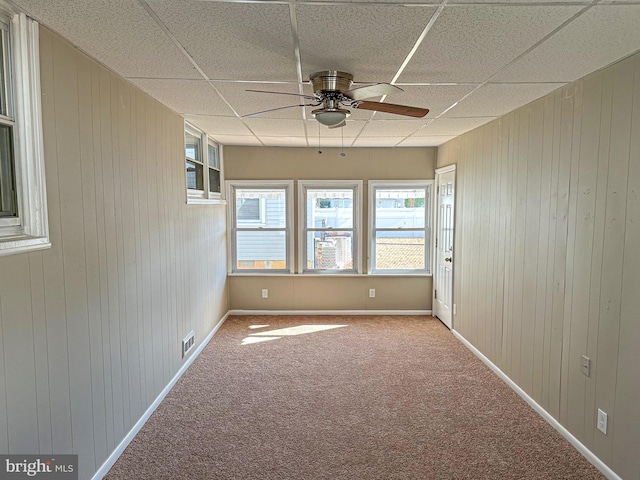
(443, 275)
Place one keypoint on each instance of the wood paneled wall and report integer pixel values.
(91, 329)
(548, 253)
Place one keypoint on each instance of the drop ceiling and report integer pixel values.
(468, 61)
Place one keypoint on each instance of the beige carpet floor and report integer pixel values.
(344, 397)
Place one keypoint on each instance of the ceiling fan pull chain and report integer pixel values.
(342, 154)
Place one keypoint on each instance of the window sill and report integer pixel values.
(317, 275)
(23, 244)
(206, 201)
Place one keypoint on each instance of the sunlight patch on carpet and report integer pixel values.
(285, 332)
(298, 330)
(250, 340)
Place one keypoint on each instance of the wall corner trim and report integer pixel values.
(588, 454)
(109, 462)
(329, 312)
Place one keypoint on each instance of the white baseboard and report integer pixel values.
(588, 454)
(329, 312)
(106, 466)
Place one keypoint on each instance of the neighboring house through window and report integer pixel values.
(329, 226)
(400, 227)
(261, 218)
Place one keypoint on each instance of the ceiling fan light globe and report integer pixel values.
(331, 118)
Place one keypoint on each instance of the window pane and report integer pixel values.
(3, 74)
(192, 146)
(214, 181)
(261, 250)
(214, 161)
(330, 208)
(400, 250)
(330, 250)
(266, 207)
(8, 201)
(194, 176)
(400, 208)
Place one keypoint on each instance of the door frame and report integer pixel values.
(438, 172)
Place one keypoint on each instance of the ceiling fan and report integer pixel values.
(332, 92)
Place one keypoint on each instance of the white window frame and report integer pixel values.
(374, 185)
(303, 186)
(29, 229)
(230, 186)
(204, 196)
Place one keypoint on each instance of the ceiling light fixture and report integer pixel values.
(331, 117)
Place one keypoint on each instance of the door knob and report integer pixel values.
(448, 259)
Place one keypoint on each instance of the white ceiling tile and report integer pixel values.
(471, 43)
(392, 128)
(351, 129)
(121, 34)
(233, 41)
(377, 141)
(369, 41)
(245, 102)
(276, 127)
(237, 140)
(437, 98)
(597, 38)
(493, 100)
(219, 125)
(451, 126)
(185, 96)
(332, 142)
(284, 141)
(426, 141)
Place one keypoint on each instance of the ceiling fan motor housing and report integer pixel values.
(331, 81)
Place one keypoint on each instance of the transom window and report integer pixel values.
(203, 163)
(329, 233)
(400, 227)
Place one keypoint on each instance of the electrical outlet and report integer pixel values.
(265, 293)
(586, 366)
(602, 421)
(188, 343)
(372, 293)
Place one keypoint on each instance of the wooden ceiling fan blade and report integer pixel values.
(257, 114)
(370, 91)
(308, 97)
(393, 108)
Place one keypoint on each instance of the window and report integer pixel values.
(214, 167)
(203, 166)
(400, 227)
(329, 238)
(260, 216)
(23, 210)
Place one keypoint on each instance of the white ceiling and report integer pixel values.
(468, 61)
